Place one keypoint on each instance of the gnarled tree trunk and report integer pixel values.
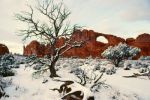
(53, 70)
(52, 67)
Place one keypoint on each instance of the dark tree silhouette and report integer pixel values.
(55, 27)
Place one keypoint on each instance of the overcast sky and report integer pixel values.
(124, 18)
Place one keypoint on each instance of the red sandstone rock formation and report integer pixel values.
(34, 48)
(91, 47)
(142, 42)
(3, 49)
(130, 41)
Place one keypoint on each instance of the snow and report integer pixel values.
(78, 87)
(129, 85)
(25, 87)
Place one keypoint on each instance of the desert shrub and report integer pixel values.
(40, 65)
(92, 80)
(2, 93)
(31, 59)
(106, 67)
(35, 62)
(110, 71)
(144, 58)
(77, 71)
(37, 66)
(6, 72)
(6, 65)
(7, 59)
(19, 59)
(136, 64)
(3, 84)
(127, 65)
(142, 66)
(143, 70)
(119, 53)
(102, 69)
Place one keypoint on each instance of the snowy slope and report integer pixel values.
(25, 87)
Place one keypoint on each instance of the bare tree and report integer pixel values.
(94, 80)
(55, 27)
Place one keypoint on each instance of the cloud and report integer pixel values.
(13, 46)
(137, 11)
(123, 18)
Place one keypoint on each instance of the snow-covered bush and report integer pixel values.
(78, 71)
(144, 58)
(120, 52)
(41, 65)
(30, 59)
(111, 71)
(37, 66)
(102, 69)
(142, 66)
(137, 64)
(107, 67)
(7, 59)
(4, 84)
(20, 59)
(34, 61)
(143, 70)
(91, 79)
(6, 65)
(127, 65)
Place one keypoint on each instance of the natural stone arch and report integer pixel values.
(101, 39)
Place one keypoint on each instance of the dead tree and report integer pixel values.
(2, 93)
(93, 80)
(135, 75)
(64, 87)
(55, 27)
(68, 92)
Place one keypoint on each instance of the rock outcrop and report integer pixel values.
(34, 48)
(142, 42)
(3, 49)
(91, 47)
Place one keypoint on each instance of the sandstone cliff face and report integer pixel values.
(91, 47)
(130, 41)
(3, 49)
(34, 48)
(142, 42)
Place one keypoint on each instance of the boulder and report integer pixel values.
(3, 49)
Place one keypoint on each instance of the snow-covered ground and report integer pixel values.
(26, 87)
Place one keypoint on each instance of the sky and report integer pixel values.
(123, 18)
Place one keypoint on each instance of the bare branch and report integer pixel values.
(82, 78)
(51, 30)
(98, 78)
